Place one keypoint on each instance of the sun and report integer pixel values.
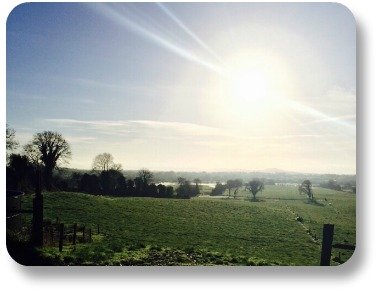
(249, 85)
(254, 88)
(256, 83)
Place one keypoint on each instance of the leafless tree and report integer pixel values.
(105, 162)
(233, 184)
(146, 176)
(12, 143)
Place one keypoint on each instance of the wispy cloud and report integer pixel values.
(179, 129)
(80, 139)
(140, 126)
(334, 119)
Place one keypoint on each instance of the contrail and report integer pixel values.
(333, 119)
(147, 34)
(187, 30)
(315, 113)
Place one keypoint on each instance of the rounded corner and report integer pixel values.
(12, 254)
(347, 10)
(17, 7)
(347, 262)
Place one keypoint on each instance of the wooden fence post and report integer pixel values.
(325, 259)
(74, 234)
(61, 236)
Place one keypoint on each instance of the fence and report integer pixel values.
(59, 234)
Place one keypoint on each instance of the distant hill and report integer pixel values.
(277, 175)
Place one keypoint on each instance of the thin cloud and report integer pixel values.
(334, 119)
(176, 128)
(141, 125)
(80, 139)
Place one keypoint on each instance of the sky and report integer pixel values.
(188, 86)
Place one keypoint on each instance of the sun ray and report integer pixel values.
(121, 19)
(168, 12)
(317, 114)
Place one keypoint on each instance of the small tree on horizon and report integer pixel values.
(218, 190)
(185, 190)
(197, 181)
(105, 162)
(145, 175)
(233, 184)
(306, 188)
(254, 186)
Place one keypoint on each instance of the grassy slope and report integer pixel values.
(264, 230)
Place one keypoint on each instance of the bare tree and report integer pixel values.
(33, 154)
(50, 148)
(306, 188)
(181, 180)
(12, 143)
(146, 176)
(105, 162)
(197, 181)
(233, 184)
(254, 186)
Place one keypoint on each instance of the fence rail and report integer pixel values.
(59, 234)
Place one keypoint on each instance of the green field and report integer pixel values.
(205, 230)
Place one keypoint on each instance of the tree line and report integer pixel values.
(233, 186)
(47, 150)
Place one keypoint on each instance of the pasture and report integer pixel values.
(204, 230)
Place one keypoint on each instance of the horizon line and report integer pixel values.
(222, 171)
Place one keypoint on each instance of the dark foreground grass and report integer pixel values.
(147, 231)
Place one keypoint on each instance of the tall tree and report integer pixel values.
(105, 162)
(52, 149)
(254, 186)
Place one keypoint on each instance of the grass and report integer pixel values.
(205, 231)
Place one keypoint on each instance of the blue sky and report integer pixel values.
(194, 86)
